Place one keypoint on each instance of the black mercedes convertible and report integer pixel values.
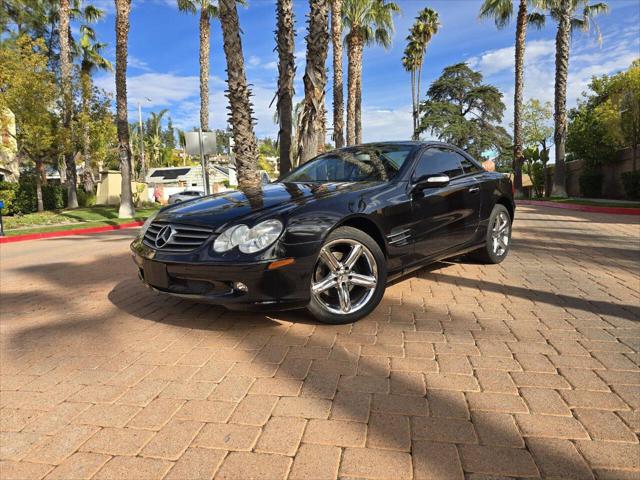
(329, 235)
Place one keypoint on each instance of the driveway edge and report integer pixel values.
(66, 233)
(582, 208)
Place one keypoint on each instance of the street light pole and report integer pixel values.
(142, 164)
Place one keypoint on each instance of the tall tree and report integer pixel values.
(207, 11)
(28, 91)
(537, 132)
(367, 22)
(285, 44)
(246, 150)
(123, 8)
(91, 60)
(462, 110)
(570, 15)
(67, 104)
(315, 80)
(338, 87)
(425, 27)
(501, 11)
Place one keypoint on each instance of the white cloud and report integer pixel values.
(161, 88)
(380, 124)
(501, 59)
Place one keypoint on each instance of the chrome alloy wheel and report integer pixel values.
(345, 277)
(500, 234)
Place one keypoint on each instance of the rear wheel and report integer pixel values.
(498, 239)
(349, 278)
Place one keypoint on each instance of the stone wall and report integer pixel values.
(612, 184)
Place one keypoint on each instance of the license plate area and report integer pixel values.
(155, 273)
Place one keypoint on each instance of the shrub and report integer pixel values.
(54, 197)
(26, 201)
(591, 184)
(86, 199)
(631, 183)
(8, 192)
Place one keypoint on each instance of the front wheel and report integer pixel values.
(498, 239)
(349, 278)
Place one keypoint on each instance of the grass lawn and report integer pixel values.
(69, 219)
(595, 203)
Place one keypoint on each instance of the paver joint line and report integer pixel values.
(526, 369)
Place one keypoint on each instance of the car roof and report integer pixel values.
(408, 143)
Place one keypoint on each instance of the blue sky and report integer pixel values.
(163, 60)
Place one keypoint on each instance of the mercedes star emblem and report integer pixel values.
(164, 236)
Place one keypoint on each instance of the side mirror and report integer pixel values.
(433, 181)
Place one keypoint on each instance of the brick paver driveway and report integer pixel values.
(527, 369)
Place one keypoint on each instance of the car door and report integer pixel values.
(443, 215)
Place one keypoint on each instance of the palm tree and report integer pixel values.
(207, 12)
(154, 136)
(246, 149)
(367, 22)
(502, 11)
(285, 38)
(123, 7)
(91, 60)
(422, 31)
(315, 80)
(67, 103)
(564, 12)
(338, 94)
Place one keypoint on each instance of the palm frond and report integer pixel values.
(501, 11)
(536, 20)
(188, 6)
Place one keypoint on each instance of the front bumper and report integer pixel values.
(282, 288)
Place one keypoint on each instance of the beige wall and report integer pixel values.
(110, 187)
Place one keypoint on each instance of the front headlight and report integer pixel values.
(249, 240)
(147, 222)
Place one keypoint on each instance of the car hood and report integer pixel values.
(221, 209)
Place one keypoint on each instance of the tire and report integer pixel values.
(363, 282)
(496, 248)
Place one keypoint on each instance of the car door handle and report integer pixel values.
(474, 189)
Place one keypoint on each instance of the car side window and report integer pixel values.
(468, 166)
(436, 161)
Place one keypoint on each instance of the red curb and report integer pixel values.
(582, 208)
(65, 233)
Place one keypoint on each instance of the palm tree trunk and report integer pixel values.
(285, 41)
(123, 7)
(67, 103)
(518, 156)
(315, 79)
(87, 177)
(351, 89)
(205, 33)
(338, 97)
(563, 38)
(359, 95)
(239, 98)
(414, 106)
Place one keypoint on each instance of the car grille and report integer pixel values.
(183, 238)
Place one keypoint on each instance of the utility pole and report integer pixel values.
(142, 164)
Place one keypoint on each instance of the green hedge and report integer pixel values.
(8, 192)
(631, 183)
(20, 198)
(591, 184)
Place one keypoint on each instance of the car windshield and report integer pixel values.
(361, 164)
